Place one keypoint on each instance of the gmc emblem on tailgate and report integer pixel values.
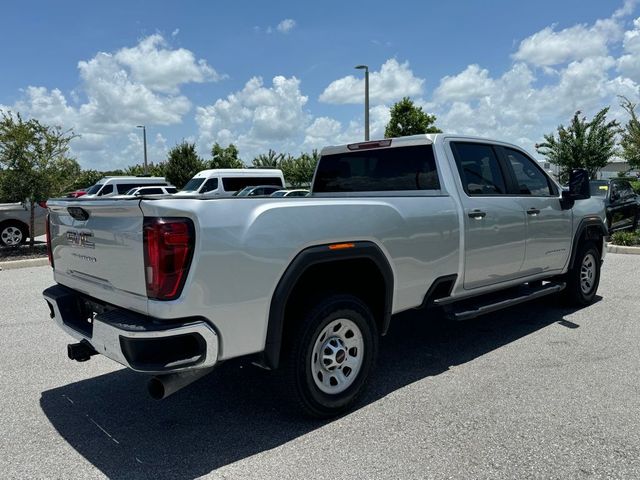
(80, 239)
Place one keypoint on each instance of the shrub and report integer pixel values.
(635, 184)
(627, 239)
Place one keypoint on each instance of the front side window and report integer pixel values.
(95, 189)
(106, 190)
(479, 169)
(530, 179)
(378, 170)
(210, 185)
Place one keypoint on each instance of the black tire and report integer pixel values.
(10, 231)
(589, 258)
(302, 347)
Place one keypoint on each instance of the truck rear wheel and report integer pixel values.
(331, 355)
(583, 279)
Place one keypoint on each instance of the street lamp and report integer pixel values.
(144, 138)
(366, 99)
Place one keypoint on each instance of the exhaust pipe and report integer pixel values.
(161, 386)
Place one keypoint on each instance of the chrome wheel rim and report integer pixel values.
(337, 356)
(11, 236)
(588, 273)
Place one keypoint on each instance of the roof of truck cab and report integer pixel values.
(241, 172)
(420, 139)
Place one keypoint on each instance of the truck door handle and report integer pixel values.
(477, 214)
(533, 211)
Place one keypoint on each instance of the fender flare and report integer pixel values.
(585, 223)
(305, 259)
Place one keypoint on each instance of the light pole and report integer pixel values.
(144, 139)
(366, 99)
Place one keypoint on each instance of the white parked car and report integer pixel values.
(291, 193)
(157, 190)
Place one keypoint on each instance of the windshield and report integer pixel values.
(193, 185)
(599, 189)
(93, 190)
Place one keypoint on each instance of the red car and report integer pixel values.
(76, 193)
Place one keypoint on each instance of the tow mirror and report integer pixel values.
(578, 187)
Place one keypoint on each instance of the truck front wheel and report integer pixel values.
(583, 279)
(331, 355)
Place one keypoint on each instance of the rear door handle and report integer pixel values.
(533, 211)
(477, 214)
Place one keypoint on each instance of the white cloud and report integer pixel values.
(393, 81)
(472, 82)
(256, 117)
(162, 69)
(119, 90)
(286, 25)
(549, 47)
(321, 132)
(629, 62)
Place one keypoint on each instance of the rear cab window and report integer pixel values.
(406, 168)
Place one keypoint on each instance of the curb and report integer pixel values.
(30, 262)
(622, 249)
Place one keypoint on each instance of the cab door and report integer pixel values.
(494, 221)
(548, 226)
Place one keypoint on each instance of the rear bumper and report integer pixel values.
(133, 340)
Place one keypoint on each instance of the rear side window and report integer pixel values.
(124, 187)
(172, 190)
(479, 169)
(233, 184)
(209, 185)
(530, 180)
(378, 170)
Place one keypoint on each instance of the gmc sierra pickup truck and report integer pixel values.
(173, 286)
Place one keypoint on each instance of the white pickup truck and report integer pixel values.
(174, 286)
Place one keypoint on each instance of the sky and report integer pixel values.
(280, 75)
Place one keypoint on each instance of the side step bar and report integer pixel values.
(472, 308)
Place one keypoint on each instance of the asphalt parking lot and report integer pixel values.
(537, 391)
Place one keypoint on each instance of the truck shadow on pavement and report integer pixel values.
(235, 412)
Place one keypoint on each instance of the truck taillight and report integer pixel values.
(168, 248)
(48, 236)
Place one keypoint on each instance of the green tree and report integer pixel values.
(583, 144)
(271, 159)
(409, 119)
(35, 162)
(153, 170)
(298, 171)
(183, 163)
(225, 157)
(630, 135)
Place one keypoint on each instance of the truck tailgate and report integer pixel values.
(97, 249)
